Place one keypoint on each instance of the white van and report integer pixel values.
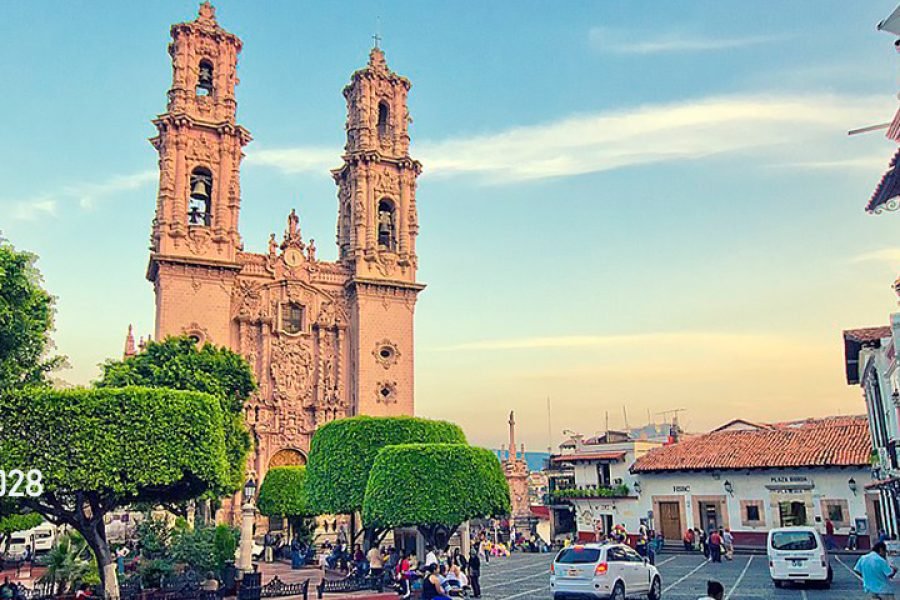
(41, 539)
(798, 554)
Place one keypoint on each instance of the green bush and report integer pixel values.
(178, 363)
(283, 492)
(342, 453)
(430, 485)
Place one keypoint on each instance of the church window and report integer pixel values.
(292, 318)
(384, 119)
(387, 225)
(205, 78)
(199, 212)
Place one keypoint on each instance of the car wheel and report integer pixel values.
(778, 583)
(618, 592)
(655, 589)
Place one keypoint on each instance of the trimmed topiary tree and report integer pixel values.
(342, 453)
(179, 363)
(101, 449)
(283, 494)
(434, 487)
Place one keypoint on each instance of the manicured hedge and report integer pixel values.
(342, 453)
(283, 492)
(180, 363)
(123, 444)
(430, 485)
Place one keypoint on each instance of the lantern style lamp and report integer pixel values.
(637, 487)
(853, 486)
(249, 490)
(729, 487)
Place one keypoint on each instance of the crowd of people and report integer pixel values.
(714, 545)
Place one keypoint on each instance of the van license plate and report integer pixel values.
(796, 563)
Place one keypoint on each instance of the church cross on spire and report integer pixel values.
(376, 39)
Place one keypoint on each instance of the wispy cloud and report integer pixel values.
(868, 162)
(296, 160)
(85, 194)
(620, 41)
(801, 131)
(884, 255)
(34, 209)
(89, 194)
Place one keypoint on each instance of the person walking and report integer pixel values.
(474, 573)
(829, 535)
(376, 562)
(728, 544)
(688, 540)
(876, 573)
(296, 563)
(852, 539)
(715, 546)
(714, 591)
(702, 543)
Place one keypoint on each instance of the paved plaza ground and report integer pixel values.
(527, 577)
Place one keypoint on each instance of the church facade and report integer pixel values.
(325, 339)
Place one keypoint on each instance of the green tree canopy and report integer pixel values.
(26, 318)
(342, 453)
(177, 363)
(13, 519)
(283, 492)
(101, 449)
(433, 487)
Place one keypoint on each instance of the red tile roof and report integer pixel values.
(831, 441)
(589, 456)
(867, 334)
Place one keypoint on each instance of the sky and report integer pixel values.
(626, 208)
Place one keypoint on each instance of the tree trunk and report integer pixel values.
(95, 536)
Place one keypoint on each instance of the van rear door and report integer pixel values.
(794, 554)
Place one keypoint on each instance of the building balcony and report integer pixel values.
(618, 491)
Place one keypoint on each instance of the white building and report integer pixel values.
(870, 362)
(745, 476)
(751, 477)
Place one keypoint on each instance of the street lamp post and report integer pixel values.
(248, 515)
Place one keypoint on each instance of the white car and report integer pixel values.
(613, 571)
(798, 554)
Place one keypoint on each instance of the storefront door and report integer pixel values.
(792, 513)
(709, 514)
(670, 520)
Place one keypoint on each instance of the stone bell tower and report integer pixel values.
(195, 236)
(376, 236)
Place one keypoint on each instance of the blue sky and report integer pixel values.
(649, 205)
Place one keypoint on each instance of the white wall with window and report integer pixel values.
(750, 502)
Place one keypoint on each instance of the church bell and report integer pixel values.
(199, 192)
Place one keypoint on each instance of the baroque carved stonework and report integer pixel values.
(386, 353)
(386, 392)
(291, 370)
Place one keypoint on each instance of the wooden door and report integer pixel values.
(670, 520)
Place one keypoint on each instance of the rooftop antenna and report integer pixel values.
(549, 429)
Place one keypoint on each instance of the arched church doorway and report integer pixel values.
(288, 457)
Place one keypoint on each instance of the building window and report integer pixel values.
(387, 225)
(603, 476)
(292, 318)
(205, 78)
(837, 511)
(199, 208)
(384, 119)
(752, 513)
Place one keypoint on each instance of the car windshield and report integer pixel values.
(793, 540)
(574, 556)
